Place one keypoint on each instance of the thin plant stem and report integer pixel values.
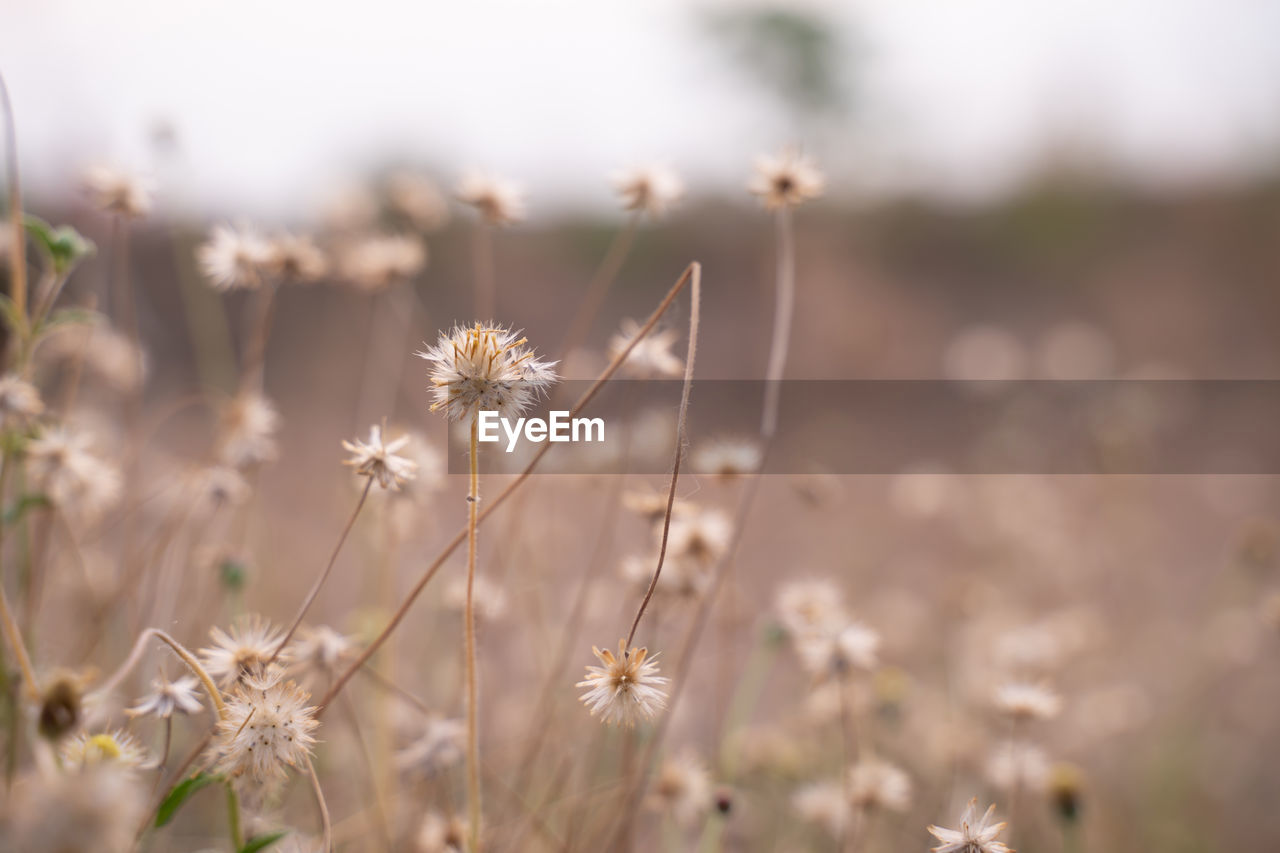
(233, 817)
(784, 308)
(469, 637)
(510, 488)
(598, 287)
(252, 371)
(324, 575)
(682, 437)
(482, 259)
(139, 646)
(9, 624)
(325, 823)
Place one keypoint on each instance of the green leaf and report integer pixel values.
(64, 245)
(14, 514)
(262, 842)
(181, 791)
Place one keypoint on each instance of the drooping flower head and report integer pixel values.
(626, 688)
(975, 835)
(649, 189)
(485, 368)
(787, 179)
(377, 459)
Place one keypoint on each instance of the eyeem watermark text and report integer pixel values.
(558, 427)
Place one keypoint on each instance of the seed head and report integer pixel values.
(242, 652)
(485, 368)
(378, 460)
(626, 688)
(787, 179)
(650, 190)
(499, 202)
(268, 727)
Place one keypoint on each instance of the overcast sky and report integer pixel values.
(274, 100)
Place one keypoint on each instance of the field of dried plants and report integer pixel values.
(252, 600)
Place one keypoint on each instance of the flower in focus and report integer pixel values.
(650, 190)
(786, 180)
(485, 368)
(268, 727)
(626, 688)
(242, 652)
(498, 202)
(167, 696)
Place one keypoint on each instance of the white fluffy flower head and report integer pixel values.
(626, 688)
(975, 835)
(378, 460)
(485, 368)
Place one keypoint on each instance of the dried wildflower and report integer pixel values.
(215, 487)
(60, 706)
(242, 652)
(268, 727)
(246, 435)
(806, 606)
(728, 459)
(380, 261)
(626, 689)
(485, 368)
(973, 836)
(117, 192)
(652, 357)
(70, 474)
(235, 258)
(95, 809)
(419, 200)
(318, 651)
(295, 258)
(823, 803)
(487, 597)
(682, 789)
(879, 785)
(650, 189)
(439, 834)
(1023, 701)
(117, 747)
(19, 401)
(786, 180)
(378, 460)
(836, 653)
(440, 746)
(498, 202)
(167, 696)
(1018, 765)
(702, 537)
(100, 350)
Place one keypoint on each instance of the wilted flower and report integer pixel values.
(650, 189)
(879, 785)
(378, 460)
(440, 746)
(114, 191)
(235, 258)
(167, 696)
(498, 202)
(268, 727)
(975, 835)
(418, 199)
(243, 652)
(786, 180)
(19, 401)
(682, 789)
(1023, 701)
(626, 689)
(246, 436)
(485, 368)
(487, 598)
(651, 358)
(379, 261)
(296, 258)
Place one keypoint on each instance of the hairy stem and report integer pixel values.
(469, 636)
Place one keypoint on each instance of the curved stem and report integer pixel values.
(325, 823)
(469, 636)
(682, 437)
(452, 545)
(139, 646)
(324, 575)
